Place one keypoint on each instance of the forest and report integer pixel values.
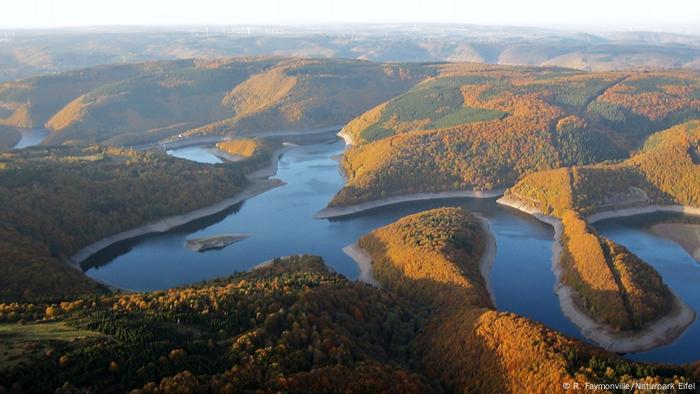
(664, 170)
(142, 103)
(296, 326)
(57, 200)
(614, 286)
(249, 147)
(567, 142)
(546, 120)
(293, 326)
(433, 257)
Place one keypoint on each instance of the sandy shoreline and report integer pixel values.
(346, 137)
(165, 224)
(617, 213)
(364, 261)
(259, 184)
(488, 257)
(334, 212)
(662, 331)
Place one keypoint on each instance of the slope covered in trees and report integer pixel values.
(293, 326)
(144, 103)
(483, 127)
(613, 285)
(434, 257)
(9, 137)
(664, 171)
(249, 147)
(54, 201)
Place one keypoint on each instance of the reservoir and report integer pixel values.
(31, 137)
(675, 265)
(280, 223)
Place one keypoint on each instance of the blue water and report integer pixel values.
(281, 221)
(195, 153)
(31, 137)
(678, 269)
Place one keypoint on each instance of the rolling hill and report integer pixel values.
(481, 127)
(29, 53)
(665, 171)
(57, 200)
(295, 326)
(148, 102)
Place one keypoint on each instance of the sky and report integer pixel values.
(668, 15)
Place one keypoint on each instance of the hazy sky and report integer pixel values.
(677, 15)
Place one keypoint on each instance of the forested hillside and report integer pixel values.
(666, 170)
(54, 201)
(483, 127)
(249, 147)
(148, 102)
(614, 286)
(9, 137)
(434, 257)
(293, 326)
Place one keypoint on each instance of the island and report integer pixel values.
(214, 242)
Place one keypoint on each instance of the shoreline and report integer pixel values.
(334, 212)
(259, 184)
(618, 213)
(175, 142)
(665, 329)
(271, 168)
(168, 223)
(364, 262)
(488, 258)
(226, 157)
(346, 137)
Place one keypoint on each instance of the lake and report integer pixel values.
(678, 269)
(281, 223)
(31, 137)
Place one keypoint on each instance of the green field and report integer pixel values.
(21, 342)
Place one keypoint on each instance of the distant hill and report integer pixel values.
(148, 102)
(30, 53)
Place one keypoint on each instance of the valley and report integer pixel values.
(483, 202)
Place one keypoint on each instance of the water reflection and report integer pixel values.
(281, 223)
(677, 268)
